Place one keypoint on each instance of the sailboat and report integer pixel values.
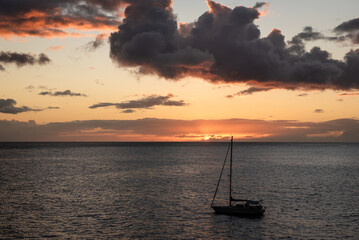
(239, 207)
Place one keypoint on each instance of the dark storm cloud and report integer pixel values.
(350, 27)
(95, 44)
(2, 68)
(149, 37)
(8, 106)
(22, 59)
(339, 130)
(144, 103)
(49, 18)
(62, 93)
(224, 45)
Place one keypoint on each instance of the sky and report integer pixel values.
(162, 70)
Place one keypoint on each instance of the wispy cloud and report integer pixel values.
(62, 94)
(98, 82)
(54, 48)
(143, 103)
(318, 110)
(259, 4)
(128, 111)
(346, 31)
(308, 34)
(30, 87)
(250, 91)
(98, 42)
(349, 94)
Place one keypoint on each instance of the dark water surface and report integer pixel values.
(164, 190)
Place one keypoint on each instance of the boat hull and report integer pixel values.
(233, 210)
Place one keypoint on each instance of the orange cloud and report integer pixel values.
(57, 18)
(54, 48)
(217, 8)
(48, 26)
(265, 11)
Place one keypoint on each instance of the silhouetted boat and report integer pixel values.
(239, 207)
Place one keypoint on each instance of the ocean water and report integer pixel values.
(164, 190)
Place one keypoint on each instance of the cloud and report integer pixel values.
(349, 94)
(54, 48)
(57, 17)
(351, 28)
(308, 35)
(128, 111)
(318, 110)
(98, 82)
(250, 91)
(225, 45)
(98, 42)
(62, 94)
(259, 4)
(152, 129)
(205, 137)
(303, 95)
(143, 103)
(22, 59)
(149, 38)
(348, 26)
(30, 88)
(8, 106)
(2, 68)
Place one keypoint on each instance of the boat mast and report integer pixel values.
(230, 174)
(220, 176)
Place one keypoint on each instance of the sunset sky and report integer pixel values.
(186, 70)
